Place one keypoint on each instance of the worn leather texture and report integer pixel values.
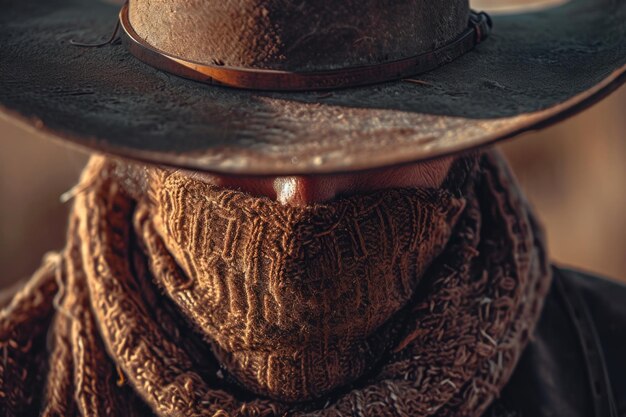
(534, 69)
(304, 35)
(558, 375)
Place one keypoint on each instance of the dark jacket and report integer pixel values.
(575, 366)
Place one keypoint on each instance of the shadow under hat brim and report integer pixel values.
(535, 69)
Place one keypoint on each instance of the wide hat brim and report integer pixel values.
(536, 68)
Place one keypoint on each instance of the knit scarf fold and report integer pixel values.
(119, 344)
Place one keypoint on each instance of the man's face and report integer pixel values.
(303, 190)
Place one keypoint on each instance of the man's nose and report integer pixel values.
(302, 191)
(287, 190)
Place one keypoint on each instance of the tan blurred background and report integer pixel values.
(573, 173)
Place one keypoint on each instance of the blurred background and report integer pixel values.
(574, 174)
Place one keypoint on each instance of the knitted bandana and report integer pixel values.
(297, 300)
(196, 301)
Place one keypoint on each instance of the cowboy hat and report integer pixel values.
(535, 68)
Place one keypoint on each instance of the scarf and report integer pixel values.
(129, 336)
(296, 301)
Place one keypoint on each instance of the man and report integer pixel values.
(292, 252)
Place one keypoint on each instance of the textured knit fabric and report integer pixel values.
(298, 300)
(134, 323)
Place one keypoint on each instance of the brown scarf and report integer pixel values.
(436, 331)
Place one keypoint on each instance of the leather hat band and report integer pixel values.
(264, 79)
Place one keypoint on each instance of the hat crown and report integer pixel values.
(297, 35)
